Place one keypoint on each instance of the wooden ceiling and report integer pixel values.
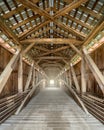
(50, 31)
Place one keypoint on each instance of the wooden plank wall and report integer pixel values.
(11, 86)
(92, 86)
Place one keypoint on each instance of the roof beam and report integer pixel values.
(92, 13)
(48, 40)
(24, 22)
(41, 48)
(12, 12)
(79, 22)
(32, 6)
(74, 32)
(35, 8)
(7, 30)
(54, 51)
(51, 58)
(98, 28)
(28, 32)
(68, 8)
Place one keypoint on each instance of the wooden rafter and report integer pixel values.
(28, 32)
(13, 12)
(79, 22)
(24, 22)
(68, 8)
(74, 32)
(5, 29)
(44, 13)
(35, 8)
(41, 48)
(55, 50)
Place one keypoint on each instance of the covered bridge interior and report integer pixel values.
(51, 64)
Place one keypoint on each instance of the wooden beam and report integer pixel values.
(91, 12)
(28, 32)
(75, 79)
(51, 58)
(13, 12)
(29, 77)
(20, 75)
(24, 22)
(33, 78)
(54, 51)
(41, 48)
(74, 32)
(76, 49)
(83, 76)
(70, 78)
(6, 29)
(94, 69)
(50, 18)
(8, 70)
(68, 8)
(95, 31)
(53, 40)
(48, 41)
(79, 22)
(35, 8)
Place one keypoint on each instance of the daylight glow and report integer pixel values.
(51, 82)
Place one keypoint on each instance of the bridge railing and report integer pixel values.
(9, 105)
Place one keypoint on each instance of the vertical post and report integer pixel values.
(83, 76)
(20, 75)
(70, 78)
(8, 70)
(29, 77)
(33, 80)
(75, 78)
(94, 69)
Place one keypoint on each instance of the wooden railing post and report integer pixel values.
(94, 69)
(8, 70)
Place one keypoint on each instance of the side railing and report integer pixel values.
(94, 105)
(9, 105)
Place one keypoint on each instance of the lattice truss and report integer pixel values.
(41, 20)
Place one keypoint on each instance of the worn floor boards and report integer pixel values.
(52, 109)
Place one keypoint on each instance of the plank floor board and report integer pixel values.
(52, 110)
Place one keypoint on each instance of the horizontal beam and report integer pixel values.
(51, 58)
(53, 40)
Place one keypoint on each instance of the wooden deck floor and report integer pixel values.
(52, 109)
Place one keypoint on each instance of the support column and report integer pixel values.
(8, 70)
(83, 76)
(29, 77)
(94, 69)
(20, 75)
(70, 78)
(33, 80)
(75, 79)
